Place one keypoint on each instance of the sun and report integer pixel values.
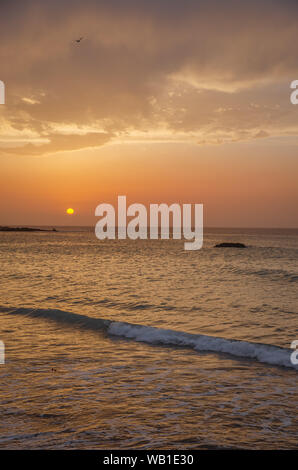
(69, 211)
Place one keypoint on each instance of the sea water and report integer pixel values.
(140, 344)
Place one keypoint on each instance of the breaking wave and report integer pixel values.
(264, 353)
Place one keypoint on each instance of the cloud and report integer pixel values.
(59, 143)
(212, 70)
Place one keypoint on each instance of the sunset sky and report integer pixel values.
(162, 101)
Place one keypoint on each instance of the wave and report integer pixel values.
(264, 353)
(273, 274)
(132, 306)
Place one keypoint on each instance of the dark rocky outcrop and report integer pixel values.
(230, 245)
(25, 229)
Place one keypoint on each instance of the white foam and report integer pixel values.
(265, 353)
(268, 354)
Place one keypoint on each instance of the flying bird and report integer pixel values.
(78, 40)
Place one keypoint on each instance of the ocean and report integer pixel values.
(122, 344)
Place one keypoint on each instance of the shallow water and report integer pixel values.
(118, 385)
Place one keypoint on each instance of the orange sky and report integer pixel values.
(159, 102)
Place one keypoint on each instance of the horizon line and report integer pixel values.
(116, 226)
